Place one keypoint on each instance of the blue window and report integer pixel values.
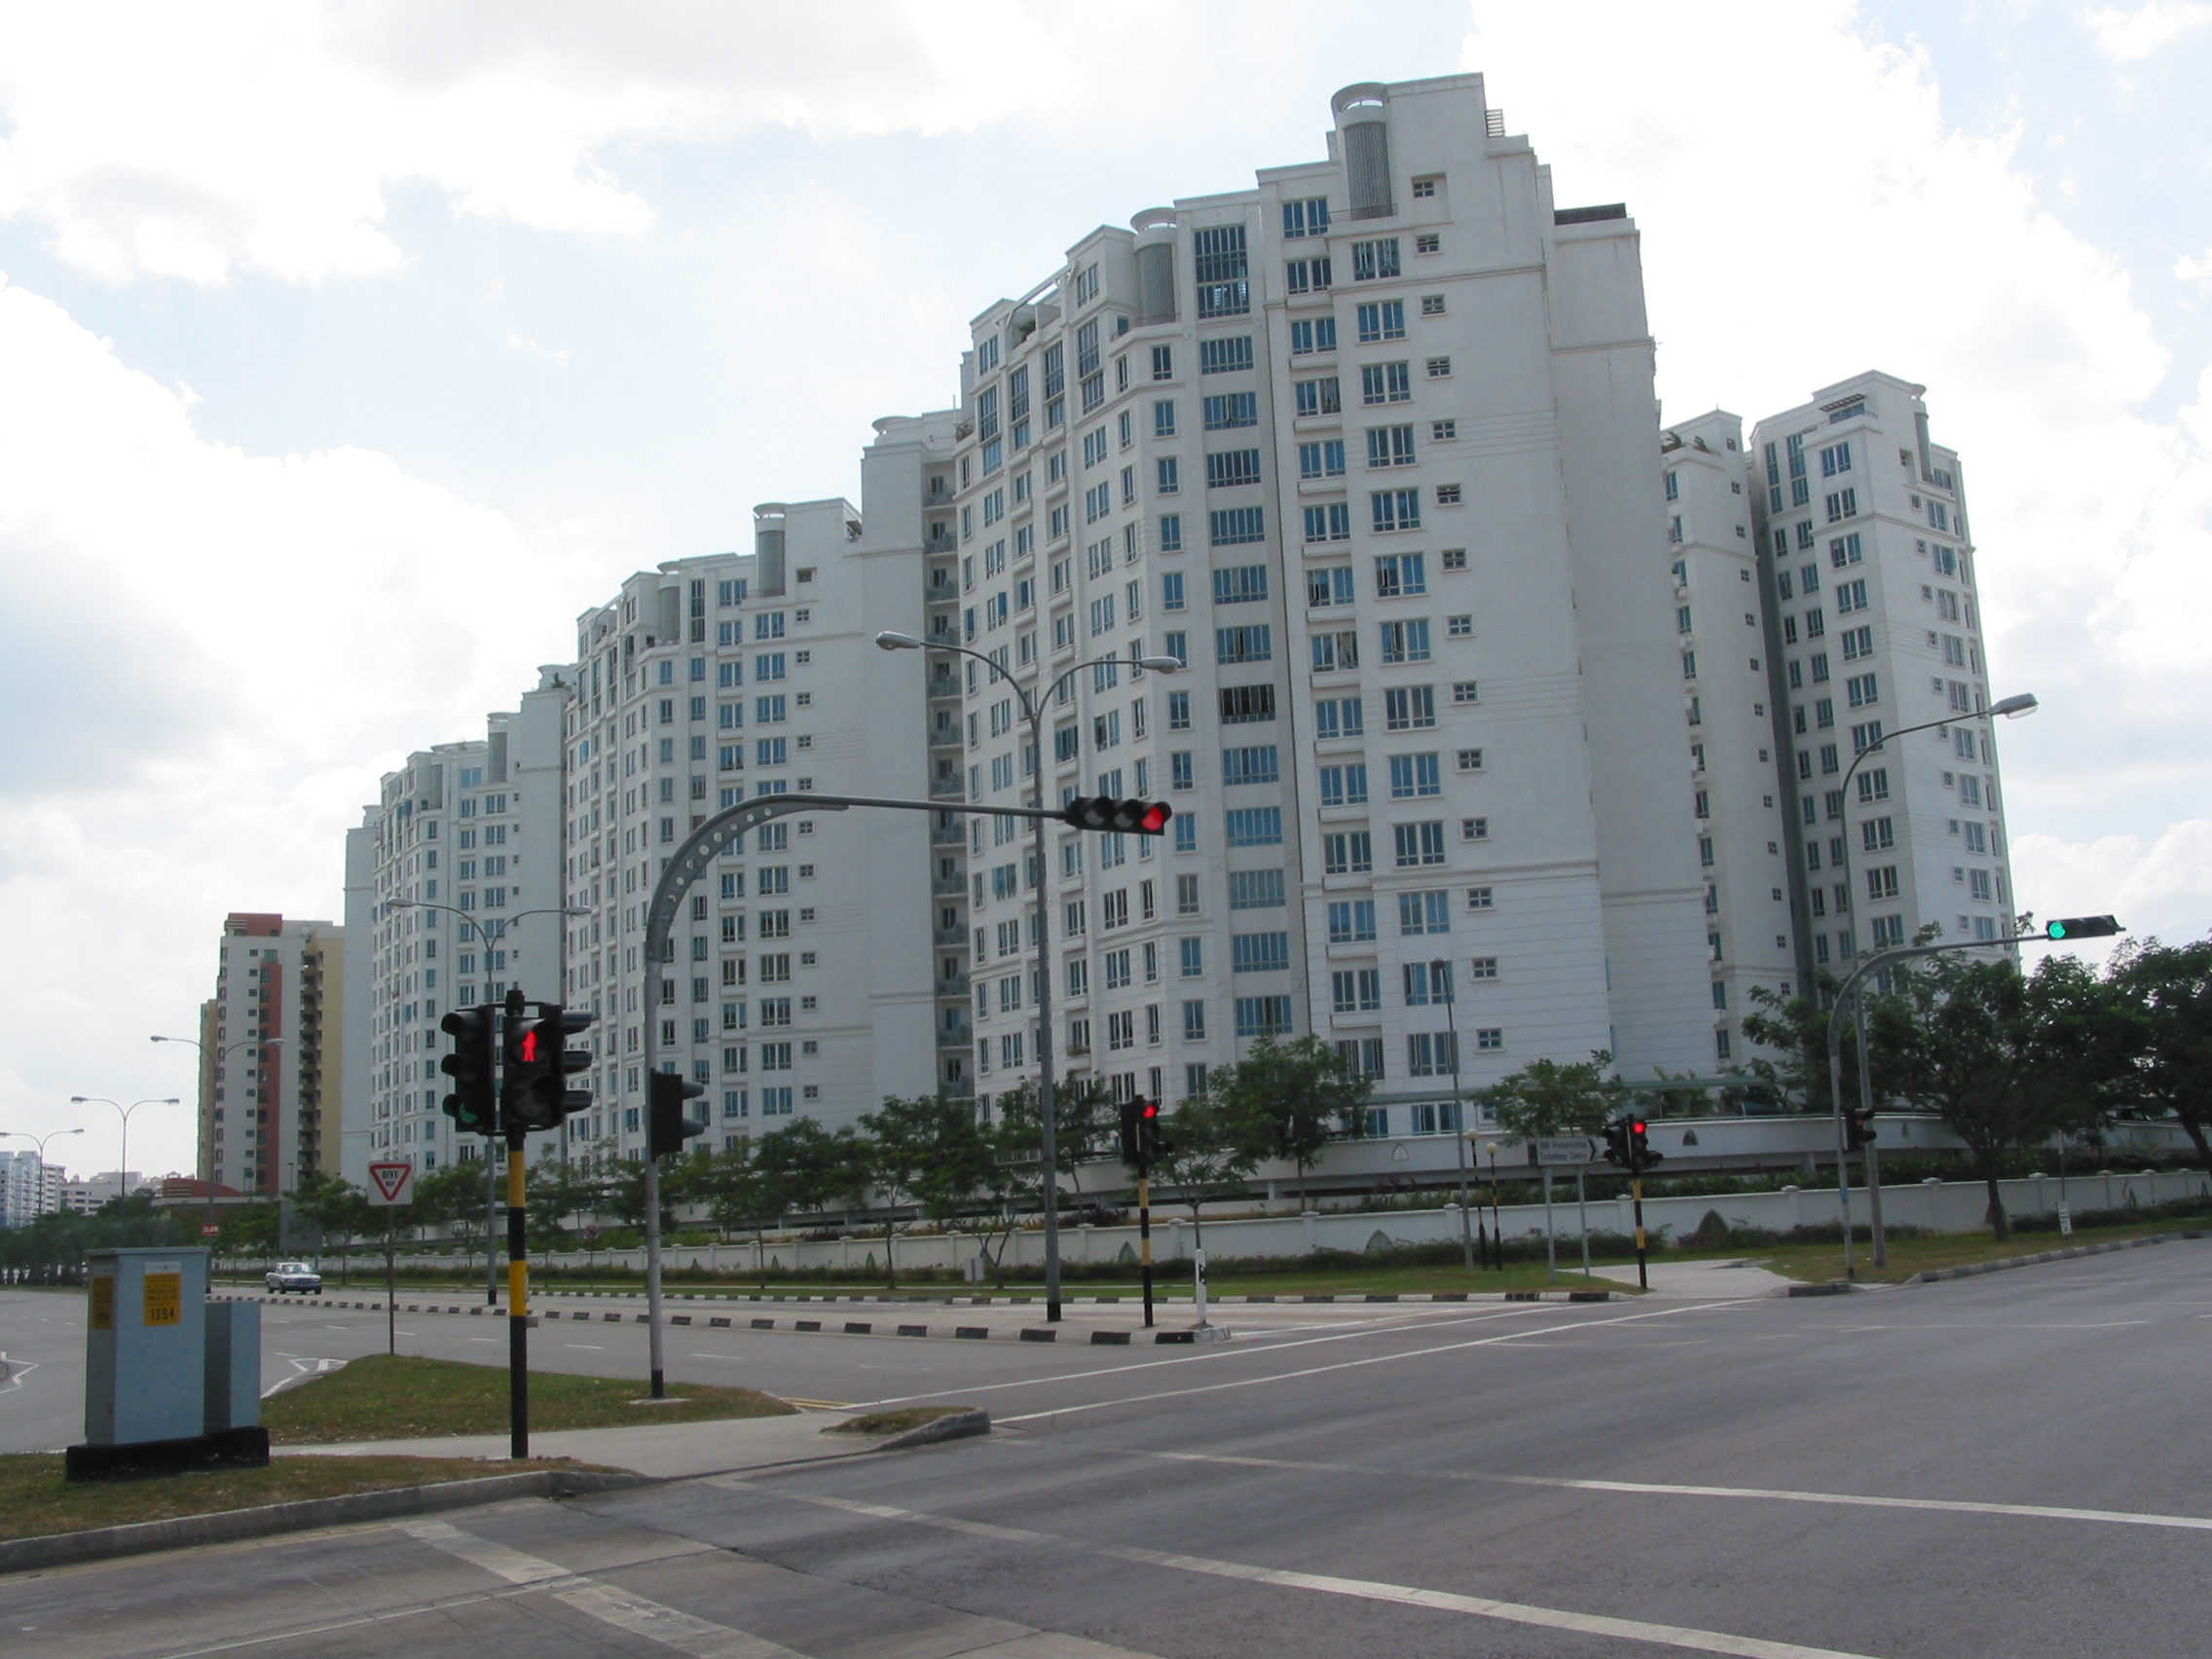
(1171, 533)
(1260, 952)
(1240, 584)
(1254, 644)
(1233, 525)
(1225, 357)
(1232, 409)
(1255, 826)
(1258, 764)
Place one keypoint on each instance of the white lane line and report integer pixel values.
(672, 1629)
(1442, 1600)
(1947, 1326)
(1357, 1364)
(1660, 1489)
(513, 1566)
(1220, 1352)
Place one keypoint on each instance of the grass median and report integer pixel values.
(1817, 1263)
(35, 1502)
(401, 1397)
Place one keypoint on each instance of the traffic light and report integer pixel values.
(2080, 927)
(1640, 1155)
(1104, 811)
(1131, 1139)
(473, 1103)
(537, 1094)
(1616, 1143)
(1859, 1129)
(1150, 1142)
(667, 1125)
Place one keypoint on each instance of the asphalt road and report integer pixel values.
(2006, 1467)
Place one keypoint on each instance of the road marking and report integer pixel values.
(1956, 1506)
(596, 1348)
(1370, 1590)
(1354, 1364)
(1948, 1326)
(513, 1566)
(665, 1625)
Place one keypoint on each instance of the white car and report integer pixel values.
(288, 1277)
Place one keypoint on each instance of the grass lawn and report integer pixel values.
(35, 1501)
(1819, 1262)
(382, 1397)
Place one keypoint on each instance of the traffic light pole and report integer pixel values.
(1636, 1187)
(518, 1302)
(1144, 1236)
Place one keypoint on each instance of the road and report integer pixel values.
(2005, 1466)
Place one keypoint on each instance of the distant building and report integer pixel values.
(267, 1051)
(28, 1189)
(85, 1196)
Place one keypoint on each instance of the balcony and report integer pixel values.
(937, 541)
(948, 887)
(952, 986)
(957, 1035)
(947, 789)
(950, 937)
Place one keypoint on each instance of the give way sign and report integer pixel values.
(388, 1182)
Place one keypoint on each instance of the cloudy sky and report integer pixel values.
(347, 351)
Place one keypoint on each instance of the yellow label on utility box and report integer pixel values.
(103, 1302)
(164, 1299)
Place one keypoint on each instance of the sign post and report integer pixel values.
(1555, 1152)
(388, 1188)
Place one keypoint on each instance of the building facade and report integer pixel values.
(804, 981)
(453, 895)
(1737, 761)
(1370, 449)
(267, 1053)
(1874, 625)
(28, 1188)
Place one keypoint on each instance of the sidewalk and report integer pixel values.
(1703, 1282)
(662, 1451)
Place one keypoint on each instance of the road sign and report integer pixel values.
(1563, 1150)
(388, 1182)
(209, 1229)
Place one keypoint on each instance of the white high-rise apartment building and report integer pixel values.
(453, 894)
(1370, 448)
(1875, 625)
(271, 1052)
(1740, 799)
(28, 1188)
(803, 977)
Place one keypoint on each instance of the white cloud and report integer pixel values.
(190, 143)
(210, 655)
(2192, 270)
(2129, 37)
(2164, 889)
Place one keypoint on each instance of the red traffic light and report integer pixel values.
(1153, 822)
(1148, 1109)
(530, 1046)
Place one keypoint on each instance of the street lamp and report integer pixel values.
(491, 1164)
(2012, 709)
(40, 1198)
(123, 1174)
(1033, 712)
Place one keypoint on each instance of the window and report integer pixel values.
(1835, 459)
(1424, 913)
(1374, 261)
(1334, 653)
(1412, 776)
(1325, 459)
(1343, 786)
(1395, 509)
(1255, 826)
(1381, 319)
(1328, 586)
(1356, 990)
(1235, 525)
(1218, 262)
(1227, 468)
(1400, 574)
(1314, 334)
(1253, 643)
(1339, 717)
(1845, 550)
(1231, 410)
(1258, 764)
(1308, 275)
(1405, 641)
(1331, 521)
(1171, 533)
(1242, 705)
(1258, 953)
(1308, 217)
(1409, 708)
(1474, 828)
(1316, 396)
(1262, 1017)
(1225, 357)
(1385, 383)
(1439, 368)
(1466, 691)
(1470, 760)
(1419, 844)
(1347, 852)
(1842, 504)
(1862, 691)
(1351, 921)
(1389, 446)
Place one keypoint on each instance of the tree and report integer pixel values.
(742, 1189)
(1204, 1158)
(817, 1169)
(2006, 1060)
(1546, 1098)
(451, 1198)
(1288, 1099)
(928, 1151)
(1083, 1110)
(2168, 991)
(625, 1195)
(1014, 1180)
(1789, 1063)
(558, 1189)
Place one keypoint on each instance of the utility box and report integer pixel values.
(233, 1396)
(145, 1335)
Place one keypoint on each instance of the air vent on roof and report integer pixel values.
(1590, 215)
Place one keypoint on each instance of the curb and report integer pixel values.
(1831, 1287)
(615, 1318)
(144, 1538)
(961, 1425)
(1973, 1269)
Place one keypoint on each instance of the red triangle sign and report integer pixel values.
(389, 1180)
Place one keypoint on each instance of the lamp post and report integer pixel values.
(2011, 708)
(123, 1174)
(40, 1198)
(1033, 712)
(491, 1164)
(217, 1059)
